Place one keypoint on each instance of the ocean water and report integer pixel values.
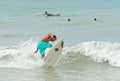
(91, 51)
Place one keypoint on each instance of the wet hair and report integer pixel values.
(69, 20)
(46, 12)
(54, 36)
(95, 19)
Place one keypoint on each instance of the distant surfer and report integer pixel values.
(69, 20)
(44, 43)
(95, 19)
(48, 14)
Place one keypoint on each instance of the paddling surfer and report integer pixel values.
(48, 14)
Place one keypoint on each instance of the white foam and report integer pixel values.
(22, 56)
(98, 51)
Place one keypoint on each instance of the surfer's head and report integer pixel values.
(54, 38)
(45, 12)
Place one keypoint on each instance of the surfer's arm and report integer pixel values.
(36, 50)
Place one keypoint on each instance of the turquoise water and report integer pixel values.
(91, 51)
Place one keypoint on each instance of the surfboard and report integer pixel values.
(53, 53)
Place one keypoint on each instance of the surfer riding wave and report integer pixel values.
(44, 43)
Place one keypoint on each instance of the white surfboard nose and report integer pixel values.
(53, 53)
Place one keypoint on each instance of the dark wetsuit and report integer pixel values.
(50, 14)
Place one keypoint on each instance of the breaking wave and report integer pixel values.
(22, 56)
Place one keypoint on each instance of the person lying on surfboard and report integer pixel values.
(48, 14)
(44, 43)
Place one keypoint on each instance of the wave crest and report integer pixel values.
(22, 56)
(98, 51)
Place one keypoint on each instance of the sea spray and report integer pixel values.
(22, 56)
(98, 51)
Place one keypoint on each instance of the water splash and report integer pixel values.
(98, 51)
(22, 56)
